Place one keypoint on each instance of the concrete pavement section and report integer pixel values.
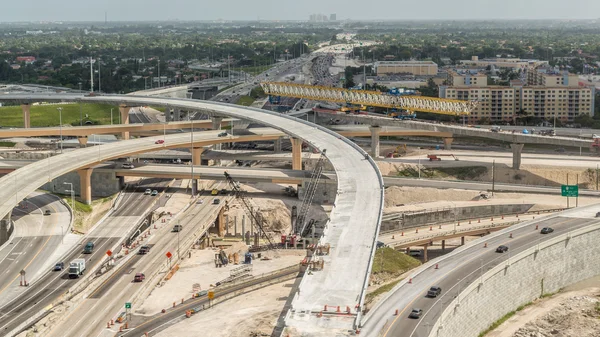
(354, 222)
(34, 239)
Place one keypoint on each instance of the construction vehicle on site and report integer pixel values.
(436, 157)
(397, 152)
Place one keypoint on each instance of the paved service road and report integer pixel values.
(461, 268)
(34, 239)
(107, 300)
(478, 186)
(54, 284)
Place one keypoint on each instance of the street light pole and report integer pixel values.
(60, 127)
(72, 209)
(111, 116)
(178, 256)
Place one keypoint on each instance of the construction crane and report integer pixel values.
(370, 98)
(241, 195)
(302, 226)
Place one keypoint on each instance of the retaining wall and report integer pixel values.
(104, 184)
(444, 215)
(517, 280)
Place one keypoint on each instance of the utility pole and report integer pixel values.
(91, 75)
(493, 176)
(567, 194)
(99, 78)
(577, 196)
(229, 68)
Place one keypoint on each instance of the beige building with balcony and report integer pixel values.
(547, 95)
(418, 68)
(467, 78)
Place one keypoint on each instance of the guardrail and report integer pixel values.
(552, 210)
(453, 232)
(432, 262)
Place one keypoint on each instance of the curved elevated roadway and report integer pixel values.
(351, 231)
(460, 268)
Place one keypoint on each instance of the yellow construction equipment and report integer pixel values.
(370, 98)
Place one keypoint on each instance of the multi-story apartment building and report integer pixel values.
(419, 68)
(547, 95)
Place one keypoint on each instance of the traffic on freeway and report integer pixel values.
(455, 272)
(53, 284)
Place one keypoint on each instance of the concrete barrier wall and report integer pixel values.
(520, 279)
(435, 216)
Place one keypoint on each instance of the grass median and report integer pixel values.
(45, 115)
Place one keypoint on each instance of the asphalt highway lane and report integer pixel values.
(473, 262)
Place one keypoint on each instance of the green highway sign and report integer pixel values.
(569, 190)
(127, 305)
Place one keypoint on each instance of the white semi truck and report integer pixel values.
(76, 268)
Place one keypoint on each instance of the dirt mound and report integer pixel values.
(576, 316)
(399, 195)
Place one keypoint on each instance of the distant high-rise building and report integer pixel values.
(332, 17)
(318, 18)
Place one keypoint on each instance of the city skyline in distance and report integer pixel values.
(239, 10)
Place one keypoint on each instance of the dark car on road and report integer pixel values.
(434, 292)
(144, 250)
(502, 249)
(177, 228)
(415, 313)
(139, 277)
(546, 230)
(59, 266)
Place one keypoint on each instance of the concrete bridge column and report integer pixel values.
(216, 125)
(124, 110)
(85, 182)
(517, 150)
(443, 246)
(197, 155)
(296, 153)
(82, 141)
(462, 240)
(277, 145)
(448, 143)
(425, 253)
(26, 120)
(375, 131)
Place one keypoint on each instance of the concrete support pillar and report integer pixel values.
(194, 187)
(221, 221)
(448, 143)
(26, 111)
(462, 240)
(177, 115)
(197, 155)
(82, 141)
(296, 153)
(124, 110)
(216, 125)
(443, 245)
(85, 182)
(425, 253)
(517, 150)
(277, 145)
(375, 131)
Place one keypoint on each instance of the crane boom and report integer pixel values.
(370, 98)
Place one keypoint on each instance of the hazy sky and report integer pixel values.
(143, 10)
